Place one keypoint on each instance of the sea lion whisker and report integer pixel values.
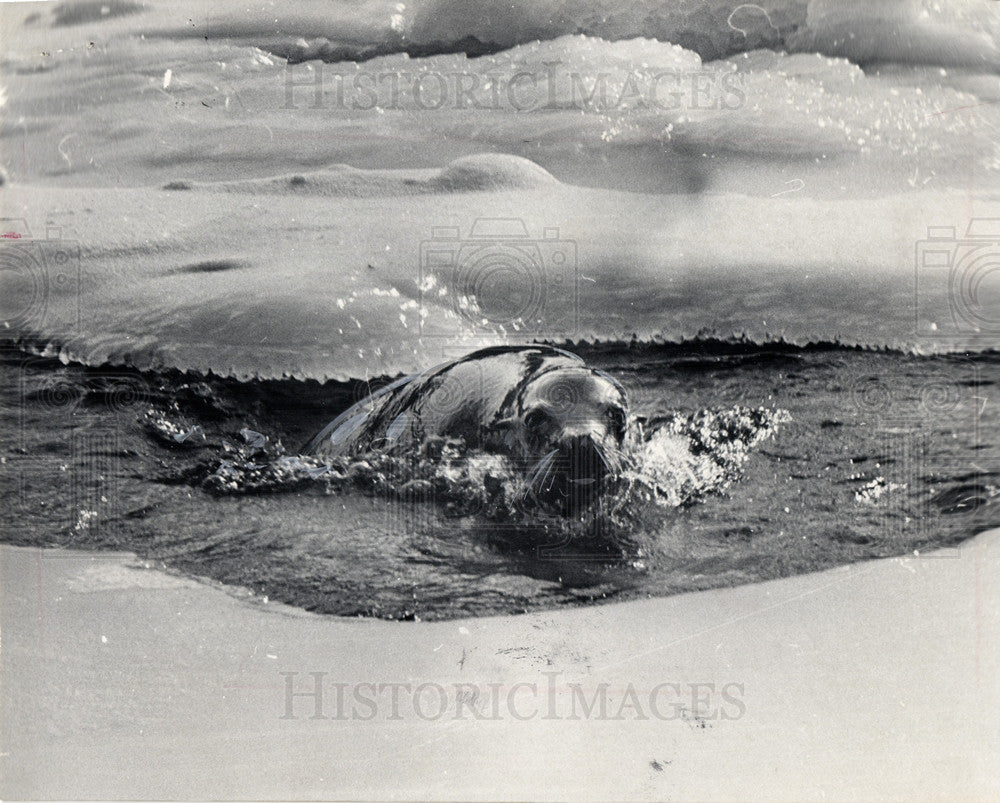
(599, 451)
(549, 476)
(533, 476)
(542, 466)
(541, 470)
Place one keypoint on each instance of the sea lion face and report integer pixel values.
(571, 427)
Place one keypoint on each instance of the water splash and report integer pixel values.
(670, 462)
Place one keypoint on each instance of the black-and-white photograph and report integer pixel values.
(500, 400)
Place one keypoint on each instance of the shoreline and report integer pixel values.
(142, 684)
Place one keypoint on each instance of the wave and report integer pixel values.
(707, 352)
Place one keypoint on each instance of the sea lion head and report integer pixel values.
(569, 428)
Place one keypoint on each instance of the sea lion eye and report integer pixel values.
(616, 418)
(535, 419)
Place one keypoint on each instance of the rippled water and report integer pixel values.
(881, 454)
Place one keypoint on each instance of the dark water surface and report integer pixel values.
(882, 454)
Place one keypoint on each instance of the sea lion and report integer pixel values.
(559, 421)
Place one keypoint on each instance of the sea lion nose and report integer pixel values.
(584, 464)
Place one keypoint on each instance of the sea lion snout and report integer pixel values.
(569, 478)
(574, 450)
(574, 424)
(584, 459)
